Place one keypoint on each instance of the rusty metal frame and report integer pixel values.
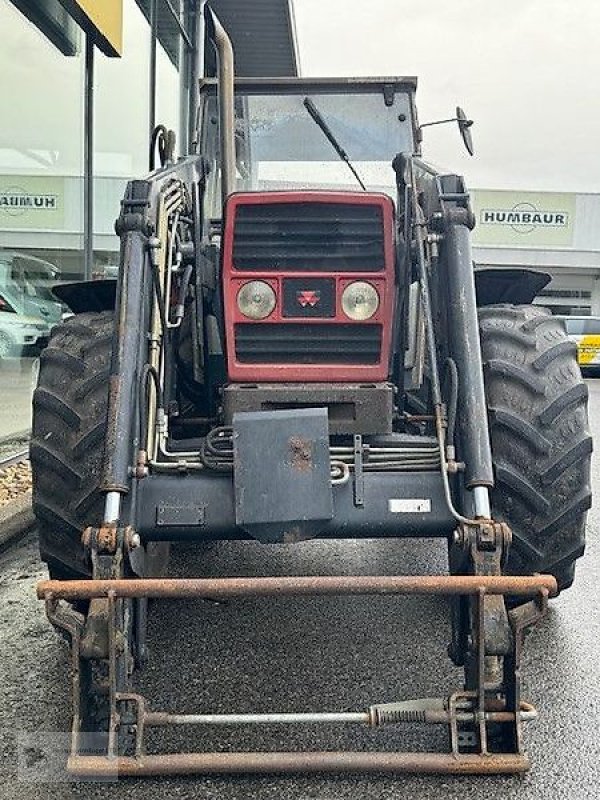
(472, 706)
(221, 588)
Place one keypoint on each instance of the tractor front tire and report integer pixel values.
(67, 442)
(541, 443)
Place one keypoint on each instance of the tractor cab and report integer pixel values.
(295, 134)
(306, 255)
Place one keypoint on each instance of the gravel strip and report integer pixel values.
(16, 515)
(14, 482)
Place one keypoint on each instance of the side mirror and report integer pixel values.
(464, 126)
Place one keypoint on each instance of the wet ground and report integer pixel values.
(299, 654)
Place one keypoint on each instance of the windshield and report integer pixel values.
(280, 146)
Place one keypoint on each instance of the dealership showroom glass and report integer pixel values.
(122, 66)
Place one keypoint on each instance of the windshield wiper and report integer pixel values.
(316, 115)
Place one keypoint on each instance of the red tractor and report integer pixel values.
(297, 345)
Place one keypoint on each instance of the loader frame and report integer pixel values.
(138, 471)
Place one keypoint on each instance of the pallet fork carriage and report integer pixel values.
(468, 713)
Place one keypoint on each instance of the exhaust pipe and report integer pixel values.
(226, 71)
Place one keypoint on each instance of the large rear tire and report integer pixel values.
(541, 444)
(67, 442)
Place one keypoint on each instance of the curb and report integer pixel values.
(16, 519)
(16, 437)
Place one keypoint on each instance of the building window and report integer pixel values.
(45, 235)
(41, 199)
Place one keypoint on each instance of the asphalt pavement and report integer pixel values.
(306, 654)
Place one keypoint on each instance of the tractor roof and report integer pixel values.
(318, 85)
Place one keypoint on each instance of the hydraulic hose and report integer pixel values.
(452, 372)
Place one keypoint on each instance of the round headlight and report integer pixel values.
(360, 300)
(256, 300)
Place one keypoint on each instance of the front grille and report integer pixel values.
(318, 237)
(305, 343)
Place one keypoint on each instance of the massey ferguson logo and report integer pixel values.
(308, 297)
(16, 201)
(524, 218)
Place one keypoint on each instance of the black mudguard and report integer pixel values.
(515, 286)
(83, 296)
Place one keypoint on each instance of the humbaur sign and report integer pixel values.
(517, 219)
(16, 201)
(524, 217)
(35, 202)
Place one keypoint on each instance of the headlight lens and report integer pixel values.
(256, 300)
(360, 300)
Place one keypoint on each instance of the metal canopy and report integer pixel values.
(263, 36)
(259, 85)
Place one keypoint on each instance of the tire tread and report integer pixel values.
(67, 442)
(541, 444)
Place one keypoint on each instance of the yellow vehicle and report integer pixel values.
(585, 332)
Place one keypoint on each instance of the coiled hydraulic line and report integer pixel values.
(216, 454)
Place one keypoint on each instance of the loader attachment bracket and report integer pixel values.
(471, 714)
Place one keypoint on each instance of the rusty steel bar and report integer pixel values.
(245, 763)
(163, 718)
(219, 588)
(157, 719)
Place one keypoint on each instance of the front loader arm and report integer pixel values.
(441, 221)
(142, 315)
